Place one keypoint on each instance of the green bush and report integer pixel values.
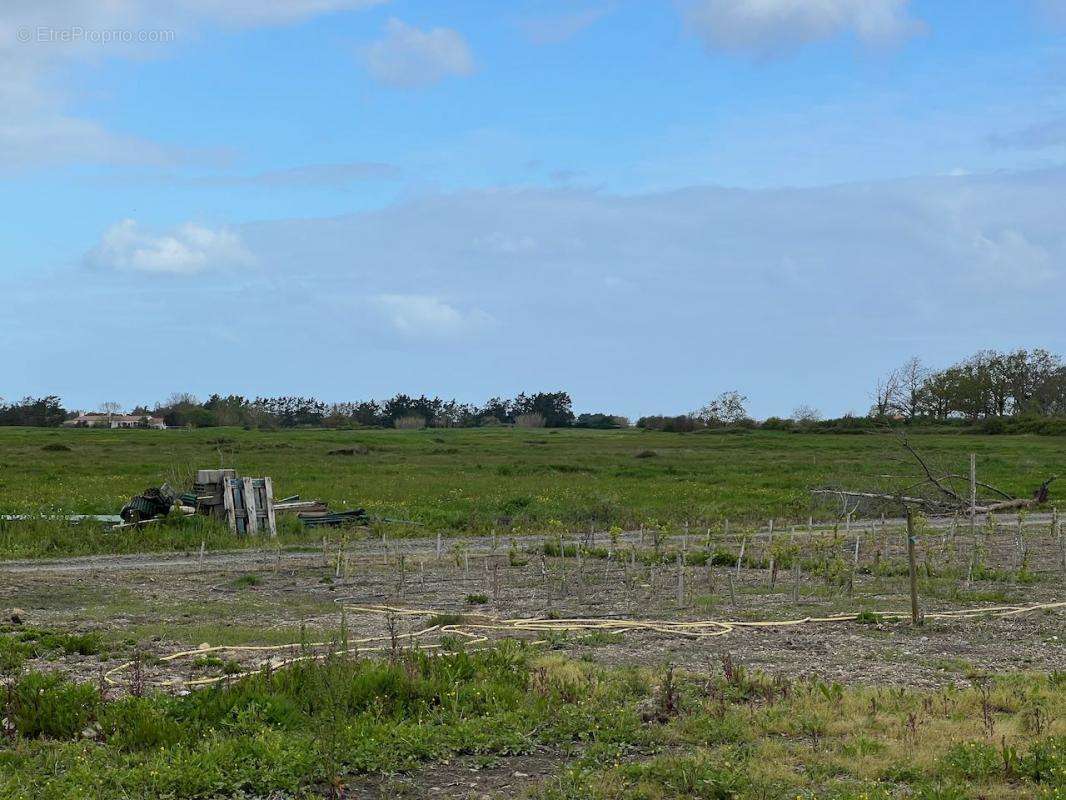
(48, 705)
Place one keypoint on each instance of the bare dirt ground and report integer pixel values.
(162, 604)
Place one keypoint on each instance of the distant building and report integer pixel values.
(93, 420)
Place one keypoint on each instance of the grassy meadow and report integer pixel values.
(469, 481)
(312, 730)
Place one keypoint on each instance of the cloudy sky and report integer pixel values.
(644, 202)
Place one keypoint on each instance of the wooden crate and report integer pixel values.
(249, 506)
(209, 490)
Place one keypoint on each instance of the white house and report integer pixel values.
(101, 420)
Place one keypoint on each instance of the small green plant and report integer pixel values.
(476, 599)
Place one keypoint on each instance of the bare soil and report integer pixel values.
(159, 605)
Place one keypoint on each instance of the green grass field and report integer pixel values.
(312, 730)
(468, 481)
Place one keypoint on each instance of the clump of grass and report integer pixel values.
(476, 599)
(35, 643)
(354, 450)
(247, 581)
(645, 454)
(57, 447)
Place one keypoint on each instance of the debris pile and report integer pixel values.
(246, 505)
(154, 502)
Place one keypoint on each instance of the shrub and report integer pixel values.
(47, 705)
(411, 422)
(354, 450)
(531, 420)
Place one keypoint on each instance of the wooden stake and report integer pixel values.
(680, 580)
(912, 567)
(203, 545)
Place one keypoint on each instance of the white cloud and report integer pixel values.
(773, 26)
(553, 30)
(1009, 258)
(425, 315)
(312, 175)
(38, 40)
(407, 57)
(188, 249)
(505, 244)
(272, 12)
(1039, 136)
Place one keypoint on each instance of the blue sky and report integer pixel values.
(643, 202)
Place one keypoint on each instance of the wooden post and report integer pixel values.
(740, 558)
(251, 510)
(203, 544)
(854, 560)
(439, 546)
(797, 573)
(973, 497)
(268, 500)
(1056, 527)
(680, 580)
(732, 592)
(912, 566)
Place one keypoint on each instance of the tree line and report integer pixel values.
(1016, 391)
(537, 409)
(987, 385)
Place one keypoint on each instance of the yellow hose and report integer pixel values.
(469, 630)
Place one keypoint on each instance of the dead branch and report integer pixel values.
(947, 500)
(946, 490)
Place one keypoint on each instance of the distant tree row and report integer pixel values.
(40, 412)
(541, 409)
(987, 385)
(1026, 388)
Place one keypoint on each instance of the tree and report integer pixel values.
(887, 394)
(44, 412)
(806, 415)
(912, 378)
(110, 408)
(555, 407)
(728, 408)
